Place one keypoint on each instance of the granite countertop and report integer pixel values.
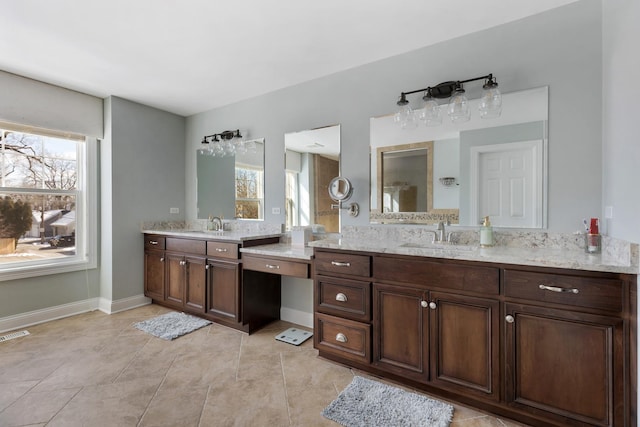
(228, 236)
(282, 250)
(542, 257)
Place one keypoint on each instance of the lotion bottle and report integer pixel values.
(486, 233)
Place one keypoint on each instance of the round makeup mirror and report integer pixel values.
(340, 189)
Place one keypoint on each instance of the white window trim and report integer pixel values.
(89, 223)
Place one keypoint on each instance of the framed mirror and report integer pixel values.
(462, 172)
(232, 186)
(312, 160)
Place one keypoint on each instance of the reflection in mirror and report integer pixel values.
(312, 160)
(482, 167)
(232, 186)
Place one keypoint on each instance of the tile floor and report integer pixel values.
(95, 369)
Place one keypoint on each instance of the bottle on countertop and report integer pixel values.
(486, 233)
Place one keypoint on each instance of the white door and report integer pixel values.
(508, 183)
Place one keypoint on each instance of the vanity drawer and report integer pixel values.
(222, 250)
(343, 338)
(343, 297)
(152, 241)
(275, 266)
(341, 263)
(429, 274)
(591, 292)
(191, 246)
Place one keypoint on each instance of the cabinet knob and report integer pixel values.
(341, 337)
(433, 305)
(424, 303)
(341, 297)
(509, 318)
(162, 259)
(183, 262)
(208, 266)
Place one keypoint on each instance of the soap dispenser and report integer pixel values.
(486, 233)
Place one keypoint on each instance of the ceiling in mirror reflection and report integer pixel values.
(524, 118)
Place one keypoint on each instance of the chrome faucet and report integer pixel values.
(440, 234)
(216, 223)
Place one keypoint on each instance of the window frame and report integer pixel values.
(86, 210)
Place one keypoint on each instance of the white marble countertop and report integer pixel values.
(228, 236)
(282, 250)
(541, 257)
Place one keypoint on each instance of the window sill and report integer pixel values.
(27, 271)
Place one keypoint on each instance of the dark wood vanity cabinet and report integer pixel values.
(154, 270)
(205, 278)
(540, 345)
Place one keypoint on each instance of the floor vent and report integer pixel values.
(13, 335)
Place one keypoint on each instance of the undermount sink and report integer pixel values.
(439, 246)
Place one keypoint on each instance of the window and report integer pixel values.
(249, 197)
(45, 202)
(291, 199)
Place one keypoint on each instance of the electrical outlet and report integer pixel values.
(174, 210)
(275, 211)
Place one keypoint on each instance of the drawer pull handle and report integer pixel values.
(341, 264)
(272, 266)
(221, 250)
(558, 289)
(509, 318)
(153, 242)
(341, 337)
(341, 297)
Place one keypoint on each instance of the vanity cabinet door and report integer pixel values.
(565, 365)
(174, 286)
(154, 274)
(223, 299)
(195, 283)
(464, 346)
(401, 330)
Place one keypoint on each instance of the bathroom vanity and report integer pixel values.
(202, 273)
(539, 344)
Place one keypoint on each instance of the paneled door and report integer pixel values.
(508, 183)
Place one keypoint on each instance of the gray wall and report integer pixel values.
(561, 48)
(621, 149)
(144, 177)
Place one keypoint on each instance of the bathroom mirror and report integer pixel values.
(340, 189)
(232, 187)
(462, 172)
(312, 160)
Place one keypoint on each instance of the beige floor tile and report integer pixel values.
(246, 403)
(173, 407)
(265, 368)
(28, 366)
(10, 392)
(120, 404)
(34, 408)
(305, 368)
(306, 404)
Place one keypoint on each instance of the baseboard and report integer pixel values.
(298, 317)
(35, 317)
(111, 307)
(47, 314)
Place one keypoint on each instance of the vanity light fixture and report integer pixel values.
(224, 144)
(458, 108)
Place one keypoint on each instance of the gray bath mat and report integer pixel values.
(171, 325)
(369, 403)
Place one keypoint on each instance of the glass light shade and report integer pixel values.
(405, 117)
(430, 115)
(216, 149)
(491, 103)
(458, 108)
(241, 148)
